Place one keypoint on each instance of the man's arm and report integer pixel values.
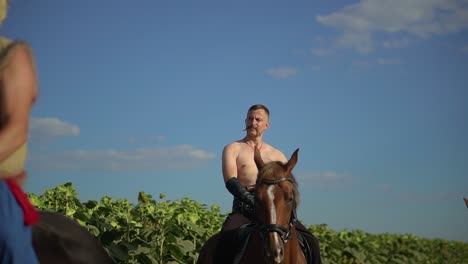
(19, 85)
(229, 162)
(230, 176)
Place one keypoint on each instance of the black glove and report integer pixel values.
(234, 187)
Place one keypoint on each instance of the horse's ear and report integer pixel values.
(258, 158)
(292, 161)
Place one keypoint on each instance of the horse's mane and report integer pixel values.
(273, 171)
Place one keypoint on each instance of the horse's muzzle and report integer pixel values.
(273, 250)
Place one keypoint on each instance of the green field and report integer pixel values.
(165, 231)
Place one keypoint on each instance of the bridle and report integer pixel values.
(283, 231)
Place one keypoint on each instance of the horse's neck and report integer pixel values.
(293, 253)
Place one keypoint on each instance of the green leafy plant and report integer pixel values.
(165, 231)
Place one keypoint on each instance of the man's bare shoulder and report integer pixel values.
(274, 153)
(233, 145)
(232, 149)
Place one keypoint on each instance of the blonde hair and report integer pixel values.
(3, 10)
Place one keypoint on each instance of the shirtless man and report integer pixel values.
(18, 92)
(240, 174)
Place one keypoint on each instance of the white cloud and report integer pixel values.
(46, 128)
(360, 64)
(299, 52)
(395, 43)
(151, 139)
(395, 192)
(325, 180)
(464, 49)
(157, 139)
(361, 41)
(282, 72)
(144, 159)
(383, 61)
(321, 52)
(422, 18)
(321, 176)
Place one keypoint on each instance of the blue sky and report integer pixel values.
(144, 96)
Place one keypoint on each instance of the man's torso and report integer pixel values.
(246, 169)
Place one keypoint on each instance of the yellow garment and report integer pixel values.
(3, 10)
(6, 46)
(14, 164)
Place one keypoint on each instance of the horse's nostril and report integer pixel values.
(278, 259)
(280, 253)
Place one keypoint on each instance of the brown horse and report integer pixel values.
(272, 238)
(58, 239)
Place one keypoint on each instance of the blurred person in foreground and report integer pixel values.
(18, 93)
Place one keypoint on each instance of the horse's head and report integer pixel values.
(277, 197)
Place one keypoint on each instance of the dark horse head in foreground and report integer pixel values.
(59, 239)
(272, 237)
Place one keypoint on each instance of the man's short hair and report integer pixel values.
(259, 106)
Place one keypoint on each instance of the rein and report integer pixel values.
(283, 231)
